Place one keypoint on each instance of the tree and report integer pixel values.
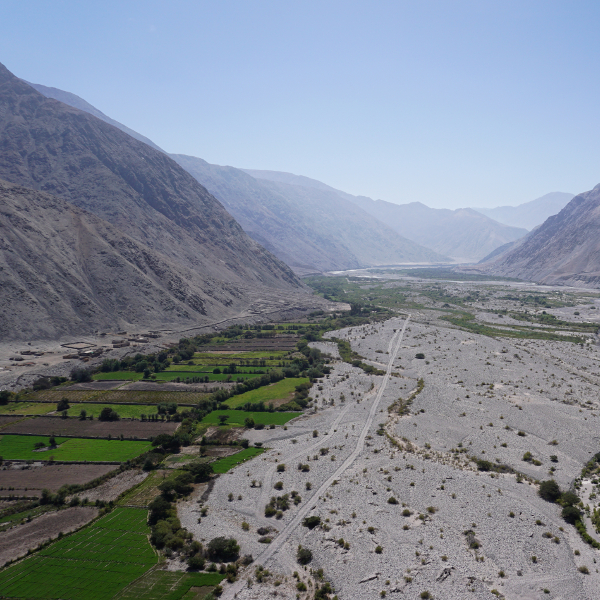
(201, 471)
(223, 549)
(108, 414)
(549, 490)
(63, 404)
(83, 414)
(52, 442)
(249, 422)
(81, 374)
(222, 419)
(571, 514)
(5, 396)
(569, 499)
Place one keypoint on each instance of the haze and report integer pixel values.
(450, 104)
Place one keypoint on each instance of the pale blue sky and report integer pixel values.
(451, 103)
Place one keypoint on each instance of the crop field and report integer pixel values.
(276, 391)
(237, 417)
(169, 585)
(183, 375)
(128, 411)
(117, 375)
(94, 563)
(26, 408)
(20, 447)
(116, 396)
(90, 428)
(229, 462)
(223, 358)
(145, 492)
(50, 476)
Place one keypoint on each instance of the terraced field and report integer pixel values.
(94, 563)
(237, 417)
(21, 447)
(276, 391)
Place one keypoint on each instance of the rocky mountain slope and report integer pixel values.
(530, 214)
(306, 227)
(310, 232)
(463, 234)
(564, 250)
(48, 146)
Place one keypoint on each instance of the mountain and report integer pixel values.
(308, 228)
(48, 146)
(463, 234)
(310, 232)
(530, 214)
(81, 104)
(564, 250)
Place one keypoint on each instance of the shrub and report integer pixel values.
(278, 485)
(81, 374)
(223, 549)
(311, 522)
(583, 569)
(196, 562)
(392, 500)
(304, 555)
(378, 550)
(280, 468)
(419, 355)
(63, 404)
(108, 414)
(549, 490)
(571, 514)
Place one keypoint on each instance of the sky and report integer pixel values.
(452, 103)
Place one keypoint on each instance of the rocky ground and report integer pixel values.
(403, 508)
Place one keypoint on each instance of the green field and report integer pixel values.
(118, 396)
(124, 410)
(95, 563)
(224, 464)
(26, 408)
(275, 391)
(21, 447)
(276, 354)
(237, 417)
(118, 375)
(170, 585)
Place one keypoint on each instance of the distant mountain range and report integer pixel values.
(463, 234)
(564, 250)
(314, 227)
(147, 244)
(530, 214)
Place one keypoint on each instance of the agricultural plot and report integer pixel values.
(145, 492)
(170, 585)
(222, 465)
(238, 417)
(282, 390)
(90, 428)
(183, 375)
(17, 447)
(118, 375)
(26, 408)
(152, 396)
(94, 563)
(126, 411)
(52, 477)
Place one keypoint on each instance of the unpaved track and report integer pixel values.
(393, 348)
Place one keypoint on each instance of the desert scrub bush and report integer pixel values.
(303, 555)
(278, 485)
(549, 490)
(311, 522)
(583, 569)
(392, 500)
(280, 468)
(378, 550)
(245, 526)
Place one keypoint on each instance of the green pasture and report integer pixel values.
(21, 447)
(260, 354)
(276, 391)
(133, 411)
(170, 585)
(237, 417)
(118, 375)
(222, 465)
(172, 375)
(26, 408)
(94, 563)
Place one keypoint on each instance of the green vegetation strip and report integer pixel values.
(94, 563)
(276, 391)
(22, 447)
(467, 321)
(26, 408)
(169, 585)
(238, 417)
(123, 410)
(225, 464)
